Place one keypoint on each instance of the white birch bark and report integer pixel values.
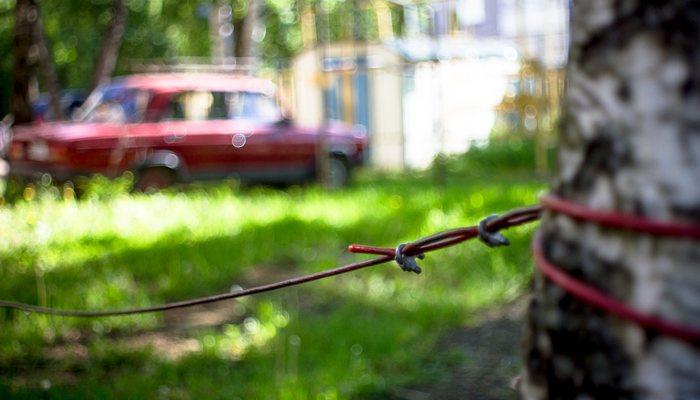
(630, 143)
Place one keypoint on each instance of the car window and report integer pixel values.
(253, 106)
(206, 105)
(116, 104)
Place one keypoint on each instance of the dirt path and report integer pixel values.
(491, 350)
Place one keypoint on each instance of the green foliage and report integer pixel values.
(282, 32)
(6, 26)
(499, 156)
(100, 188)
(155, 30)
(96, 187)
(361, 335)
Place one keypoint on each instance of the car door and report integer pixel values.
(234, 133)
(98, 147)
(194, 127)
(267, 146)
(100, 137)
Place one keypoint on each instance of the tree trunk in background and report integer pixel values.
(25, 59)
(48, 71)
(107, 59)
(244, 38)
(630, 143)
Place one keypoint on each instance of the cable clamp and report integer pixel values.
(492, 239)
(407, 263)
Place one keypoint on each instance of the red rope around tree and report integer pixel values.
(622, 221)
(594, 296)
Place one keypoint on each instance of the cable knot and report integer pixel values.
(407, 263)
(492, 239)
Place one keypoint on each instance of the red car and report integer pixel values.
(170, 128)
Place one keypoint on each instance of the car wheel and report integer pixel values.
(154, 179)
(338, 172)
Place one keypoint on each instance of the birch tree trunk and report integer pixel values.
(630, 143)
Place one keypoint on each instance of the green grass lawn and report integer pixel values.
(360, 335)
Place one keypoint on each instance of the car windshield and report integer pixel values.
(115, 104)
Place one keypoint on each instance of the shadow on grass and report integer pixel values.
(349, 346)
(176, 265)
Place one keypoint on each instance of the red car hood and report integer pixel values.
(63, 131)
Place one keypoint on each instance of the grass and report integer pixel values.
(361, 335)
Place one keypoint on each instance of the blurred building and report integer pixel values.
(412, 105)
(359, 84)
(439, 84)
(539, 28)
